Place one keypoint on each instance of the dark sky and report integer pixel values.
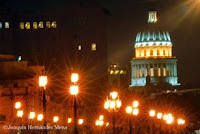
(180, 17)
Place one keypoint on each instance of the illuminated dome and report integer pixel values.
(152, 34)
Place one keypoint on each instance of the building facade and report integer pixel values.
(153, 62)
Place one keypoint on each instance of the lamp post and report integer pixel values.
(42, 84)
(112, 105)
(74, 89)
(132, 110)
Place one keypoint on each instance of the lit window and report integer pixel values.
(151, 71)
(164, 71)
(111, 72)
(159, 72)
(34, 25)
(93, 47)
(54, 25)
(158, 52)
(121, 72)
(79, 47)
(27, 25)
(151, 52)
(0, 25)
(41, 25)
(48, 24)
(21, 25)
(6, 24)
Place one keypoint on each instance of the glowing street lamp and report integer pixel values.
(18, 105)
(129, 110)
(20, 113)
(159, 115)
(152, 113)
(101, 117)
(42, 81)
(40, 117)
(74, 77)
(112, 105)
(135, 104)
(69, 120)
(135, 111)
(55, 119)
(97, 122)
(169, 119)
(80, 121)
(42, 84)
(180, 121)
(31, 115)
(73, 90)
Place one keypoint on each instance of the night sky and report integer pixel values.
(181, 18)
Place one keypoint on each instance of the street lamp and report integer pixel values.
(80, 121)
(31, 115)
(180, 121)
(74, 89)
(159, 115)
(132, 110)
(18, 105)
(69, 120)
(40, 117)
(112, 105)
(152, 113)
(55, 119)
(42, 84)
(20, 113)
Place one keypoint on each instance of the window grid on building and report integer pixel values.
(41, 25)
(54, 25)
(21, 25)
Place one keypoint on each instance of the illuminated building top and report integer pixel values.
(152, 35)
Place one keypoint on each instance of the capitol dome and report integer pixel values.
(152, 34)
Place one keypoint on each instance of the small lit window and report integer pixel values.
(21, 25)
(121, 72)
(41, 25)
(151, 71)
(164, 71)
(93, 47)
(6, 24)
(48, 24)
(54, 25)
(159, 72)
(0, 25)
(35, 25)
(111, 72)
(27, 25)
(79, 47)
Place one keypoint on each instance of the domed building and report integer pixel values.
(153, 62)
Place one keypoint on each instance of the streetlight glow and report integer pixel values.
(135, 111)
(74, 90)
(74, 77)
(101, 117)
(97, 122)
(20, 113)
(114, 95)
(135, 104)
(40, 117)
(107, 124)
(180, 121)
(42, 81)
(128, 109)
(152, 113)
(159, 115)
(31, 115)
(101, 123)
(55, 119)
(80, 121)
(18, 105)
(69, 120)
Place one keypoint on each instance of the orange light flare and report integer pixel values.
(152, 113)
